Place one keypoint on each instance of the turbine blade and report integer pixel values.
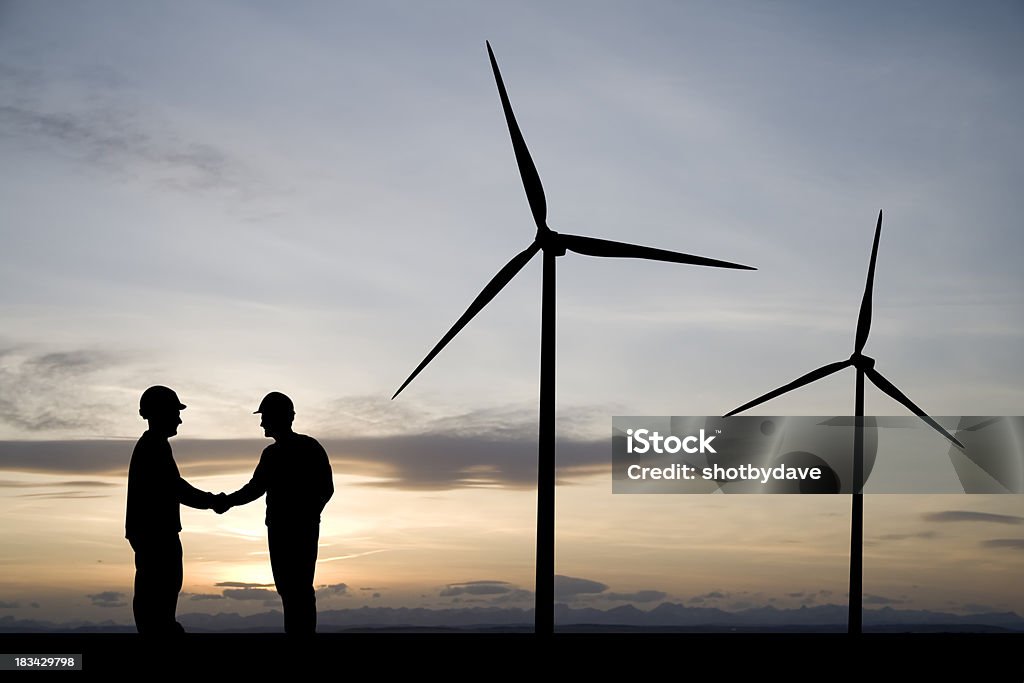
(864, 320)
(812, 376)
(591, 246)
(496, 284)
(528, 172)
(889, 388)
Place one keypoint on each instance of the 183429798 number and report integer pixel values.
(40, 662)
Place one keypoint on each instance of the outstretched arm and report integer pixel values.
(256, 487)
(194, 498)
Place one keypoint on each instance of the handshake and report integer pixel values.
(220, 503)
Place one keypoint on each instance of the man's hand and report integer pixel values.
(221, 503)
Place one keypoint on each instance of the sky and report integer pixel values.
(236, 197)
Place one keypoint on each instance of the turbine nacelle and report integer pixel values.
(862, 362)
(551, 242)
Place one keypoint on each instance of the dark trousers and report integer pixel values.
(293, 560)
(158, 579)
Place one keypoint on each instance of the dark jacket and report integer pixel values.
(295, 473)
(155, 491)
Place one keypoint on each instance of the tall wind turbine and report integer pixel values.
(865, 366)
(553, 244)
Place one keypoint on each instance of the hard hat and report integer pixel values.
(275, 403)
(158, 399)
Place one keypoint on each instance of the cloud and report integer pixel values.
(68, 495)
(9, 605)
(59, 495)
(486, 591)
(636, 596)
(242, 584)
(880, 600)
(205, 596)
(332, 590)
(903, 537)
(262, 594)
(569, 587)
(373, 415)
(107, 134)
(419, 462)
(1012, 543)
(108, 599)
(241, 590)
(9, 484)
(713, 595)
(67, 457)
(514, 595)
(52, 391)
(349, 556)
(442, 461)
(476, 588)
(968, 516)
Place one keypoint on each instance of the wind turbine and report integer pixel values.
(553, 245)
(865, 367)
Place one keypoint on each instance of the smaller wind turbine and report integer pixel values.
(865, 367)
(553, 245)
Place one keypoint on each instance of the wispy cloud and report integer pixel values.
(108, 599)
(1012, 543)
(431, 461)
(968, 516)
(52, 391)
(570, 587)
(261, 594)
(870, 599)
(485, 591)
(439, 461)
(636, 596)
(712, 595)
(242, 584)
(59, 495)
(97, 123)
(905, 536)
(67, 457)
(477, 588)
(332, 590)
(78, 483)
(350, 556)
(67, 495)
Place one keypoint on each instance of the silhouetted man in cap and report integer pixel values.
(153, 520)
(295, 473)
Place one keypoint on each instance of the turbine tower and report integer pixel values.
(865, 366)
(553, 244)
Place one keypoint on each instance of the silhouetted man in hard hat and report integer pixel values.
(296, 475)
(153, 520)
